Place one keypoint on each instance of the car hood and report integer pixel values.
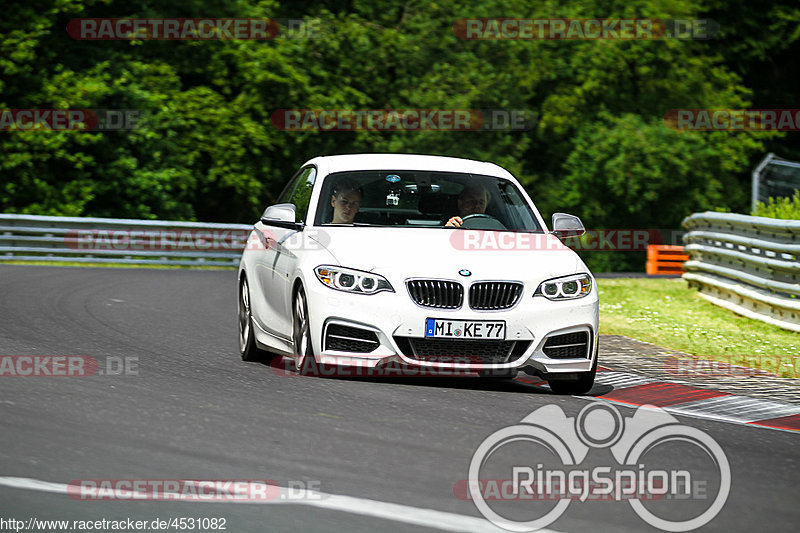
(442, 252)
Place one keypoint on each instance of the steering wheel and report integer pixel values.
(481, 221)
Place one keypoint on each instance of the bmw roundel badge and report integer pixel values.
(465, 272)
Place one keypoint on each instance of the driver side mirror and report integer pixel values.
(565, 225)
(282, 215)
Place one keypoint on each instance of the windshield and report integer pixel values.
(423, 199)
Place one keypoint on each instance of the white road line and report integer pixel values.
(33, 484)
(395, 512)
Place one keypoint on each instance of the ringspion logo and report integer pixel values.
(518, 471)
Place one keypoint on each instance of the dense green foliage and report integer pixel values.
(207, 150)
(784, 208)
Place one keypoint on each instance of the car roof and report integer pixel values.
(352, 162)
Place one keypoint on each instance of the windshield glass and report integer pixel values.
(423, 199)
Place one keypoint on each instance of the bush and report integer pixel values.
(785, 208)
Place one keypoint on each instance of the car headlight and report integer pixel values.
(351, 280)
(566, 288)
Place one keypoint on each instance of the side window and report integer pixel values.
(298, 192)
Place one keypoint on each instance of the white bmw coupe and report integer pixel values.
(422, 261)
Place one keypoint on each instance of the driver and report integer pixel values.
(472, 201)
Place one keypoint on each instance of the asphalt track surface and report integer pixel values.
(196, 411)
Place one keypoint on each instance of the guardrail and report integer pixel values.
(750, 265)
(119, 240)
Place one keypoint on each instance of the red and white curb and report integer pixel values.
(635, 390)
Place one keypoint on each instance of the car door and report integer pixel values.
(280, 257)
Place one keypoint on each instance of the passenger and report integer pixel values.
(346, 201)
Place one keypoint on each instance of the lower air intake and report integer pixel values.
(350, 339)
(568, 346)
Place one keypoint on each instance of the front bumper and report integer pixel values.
(394, 316)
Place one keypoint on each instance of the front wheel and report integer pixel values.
(581, 385)
(247, 342)
(301, 336)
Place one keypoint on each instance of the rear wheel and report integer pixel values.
(301, 336)
(247, 342)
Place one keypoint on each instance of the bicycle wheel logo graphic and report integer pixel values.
(568, 441)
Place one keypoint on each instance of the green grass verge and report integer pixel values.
(667, 313)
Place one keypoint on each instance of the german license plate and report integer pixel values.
(465, 329)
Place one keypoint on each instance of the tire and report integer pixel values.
(247, 343)
(305, 363)
(581, 385)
